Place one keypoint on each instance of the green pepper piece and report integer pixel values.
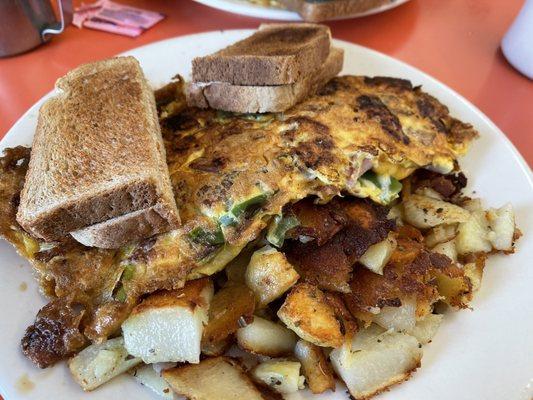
(279, 228)
(120, 295)
(372, 177)
(390, 187)
(232, 217)
(129, 271)
(201, 236)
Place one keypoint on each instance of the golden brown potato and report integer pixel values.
(269, 275)
(375, 360)
(426, 212)
(316, 369)
(216, 348)
(218, 378)
(98, 363)
(266, 338)
(228, 306)
(306, 312)
(150, 330)
(453, 285)
(282, 376)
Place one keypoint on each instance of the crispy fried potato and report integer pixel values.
(269, 275)
(306, 312)
(474, 269)
(315, 367)
(150, 331)
(218, 378)
(449, 249)
(280, 375)
(406, 276)
(426, 212)
(378, 255)
(98, 363)
(402, 318)
(216, 348)
(440, 234)
(502, 225)
(228, 306)
(426, 328)
(473, 234)
(329, 265)
(266, 338)
(375, 360)
(236, 269)
(147, 376)
(346, 320)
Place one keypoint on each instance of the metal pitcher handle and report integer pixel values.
(65, 15)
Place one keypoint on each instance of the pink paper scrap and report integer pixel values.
(109, 16)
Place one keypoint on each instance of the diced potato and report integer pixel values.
(218, 378)
(455, 288)
(216, 348)
(269, 275)
(401, 318)
(150, 331)
(347, 320)
(426, 328)
(306, 312)
(440, 234)
(376, 360)
(472, 235)
(282, 376)
(428, 192)
(502, 225)
(425, 212)
(98, 363)
(236, 269)
(230, 306)
(147, 376)
(160, 367)
(378, 255)
(474, 271)
(448, 249)
(315, 367)
(266, 338)
(473, 205)
(396, 213)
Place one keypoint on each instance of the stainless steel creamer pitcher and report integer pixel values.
(25, 24)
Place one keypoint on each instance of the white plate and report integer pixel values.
(244, 7)
(485, 354)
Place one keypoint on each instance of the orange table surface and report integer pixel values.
(456, 41)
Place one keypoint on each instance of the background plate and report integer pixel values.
(485, 354)
(244, 7)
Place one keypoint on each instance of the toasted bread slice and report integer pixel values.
(261, 99)
(277, 54)
(119, 231)
(97, 152)
(316, 11)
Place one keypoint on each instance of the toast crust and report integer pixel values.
(261, 99)
(277, 54)
(126, 229)
(97, 151)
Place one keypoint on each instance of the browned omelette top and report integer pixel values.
(219, 160)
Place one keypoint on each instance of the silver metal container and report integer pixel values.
(26, 24)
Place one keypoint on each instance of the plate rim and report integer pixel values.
(240, 7)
